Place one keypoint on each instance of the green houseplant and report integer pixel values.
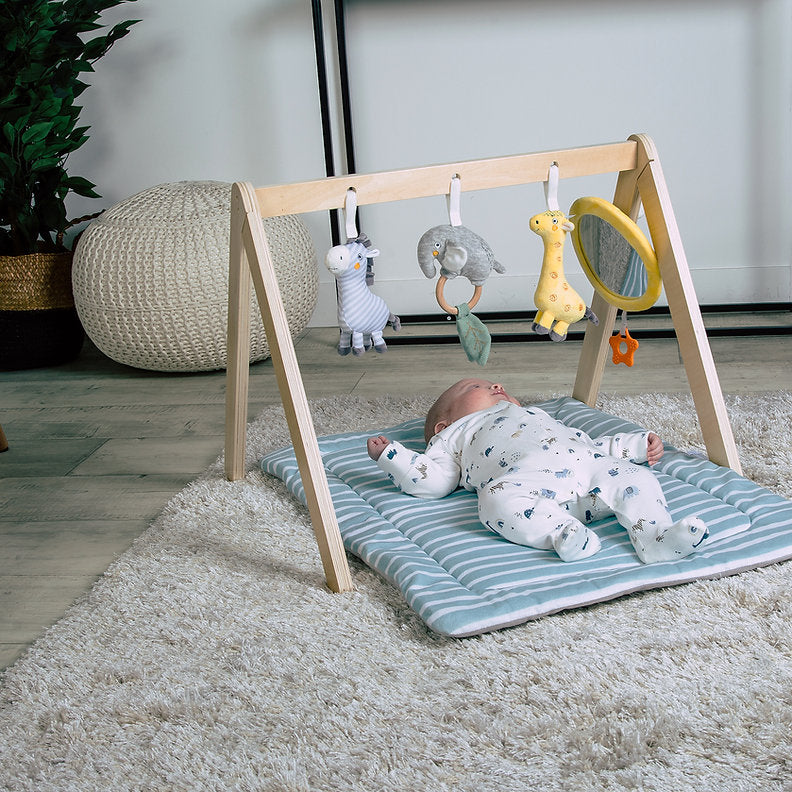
(46, 46)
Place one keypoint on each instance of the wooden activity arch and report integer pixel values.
(640, 180)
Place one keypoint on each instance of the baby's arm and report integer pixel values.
(635, 446)
(433, 474)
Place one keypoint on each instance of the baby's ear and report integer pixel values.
(440, 425)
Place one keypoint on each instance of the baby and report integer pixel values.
(539, 483)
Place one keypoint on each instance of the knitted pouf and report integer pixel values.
(150, 278)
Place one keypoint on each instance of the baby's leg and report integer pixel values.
(535, 522)
(636, 498)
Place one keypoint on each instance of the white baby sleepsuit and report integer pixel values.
(540, 483)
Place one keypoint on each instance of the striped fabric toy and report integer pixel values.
(362, 315)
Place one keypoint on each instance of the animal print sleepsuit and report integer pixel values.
(541, 483)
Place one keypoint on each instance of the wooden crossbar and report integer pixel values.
(431, 180)
(640, 181)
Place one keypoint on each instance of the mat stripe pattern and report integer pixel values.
(463, 580)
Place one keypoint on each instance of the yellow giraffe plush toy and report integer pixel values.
(558, 304)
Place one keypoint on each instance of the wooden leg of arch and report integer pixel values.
(593, 354)
(255, 249)
(685, 312)
(237, 366)
(647, 180)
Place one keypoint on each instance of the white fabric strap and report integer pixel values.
(453, 199)
(350, 213)
(551, 188)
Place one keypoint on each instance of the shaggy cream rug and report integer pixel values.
(210, 656)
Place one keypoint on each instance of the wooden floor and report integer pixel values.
(97, 448)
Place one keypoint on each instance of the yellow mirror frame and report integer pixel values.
(634, 236)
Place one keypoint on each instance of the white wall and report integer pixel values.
(710, 81)
(204, 90)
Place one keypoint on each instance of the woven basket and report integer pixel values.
(36, 282)
(38, 323)
(150, 278)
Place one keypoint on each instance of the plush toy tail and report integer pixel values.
(591, 316)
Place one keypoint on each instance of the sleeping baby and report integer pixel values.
(539, 482)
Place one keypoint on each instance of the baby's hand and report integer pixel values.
(654, 448)
(376, 445)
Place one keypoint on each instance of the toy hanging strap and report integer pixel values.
(453, 200)
(551, 188)
(350, 223)
(350, 213)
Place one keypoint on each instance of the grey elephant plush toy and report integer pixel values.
(458, 251)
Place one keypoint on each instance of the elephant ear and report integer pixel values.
(454, 258)
(473, 335)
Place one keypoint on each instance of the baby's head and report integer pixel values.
(463, 398)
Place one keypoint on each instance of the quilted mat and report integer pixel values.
(463, 580)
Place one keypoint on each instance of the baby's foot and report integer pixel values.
(680, 540)
(574, 541)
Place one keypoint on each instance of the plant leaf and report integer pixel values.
(45, 45)
(37, 132)
(81, 186)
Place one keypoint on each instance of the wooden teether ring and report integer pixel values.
(450, 309)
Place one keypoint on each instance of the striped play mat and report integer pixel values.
(463, 580)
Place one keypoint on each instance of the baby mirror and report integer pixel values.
(615, 254)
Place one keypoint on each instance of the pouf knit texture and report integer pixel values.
(150, 278)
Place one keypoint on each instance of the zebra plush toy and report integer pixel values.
(362, 315)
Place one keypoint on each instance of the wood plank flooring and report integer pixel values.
(97, 448)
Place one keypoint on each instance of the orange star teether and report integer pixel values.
(616, 341)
